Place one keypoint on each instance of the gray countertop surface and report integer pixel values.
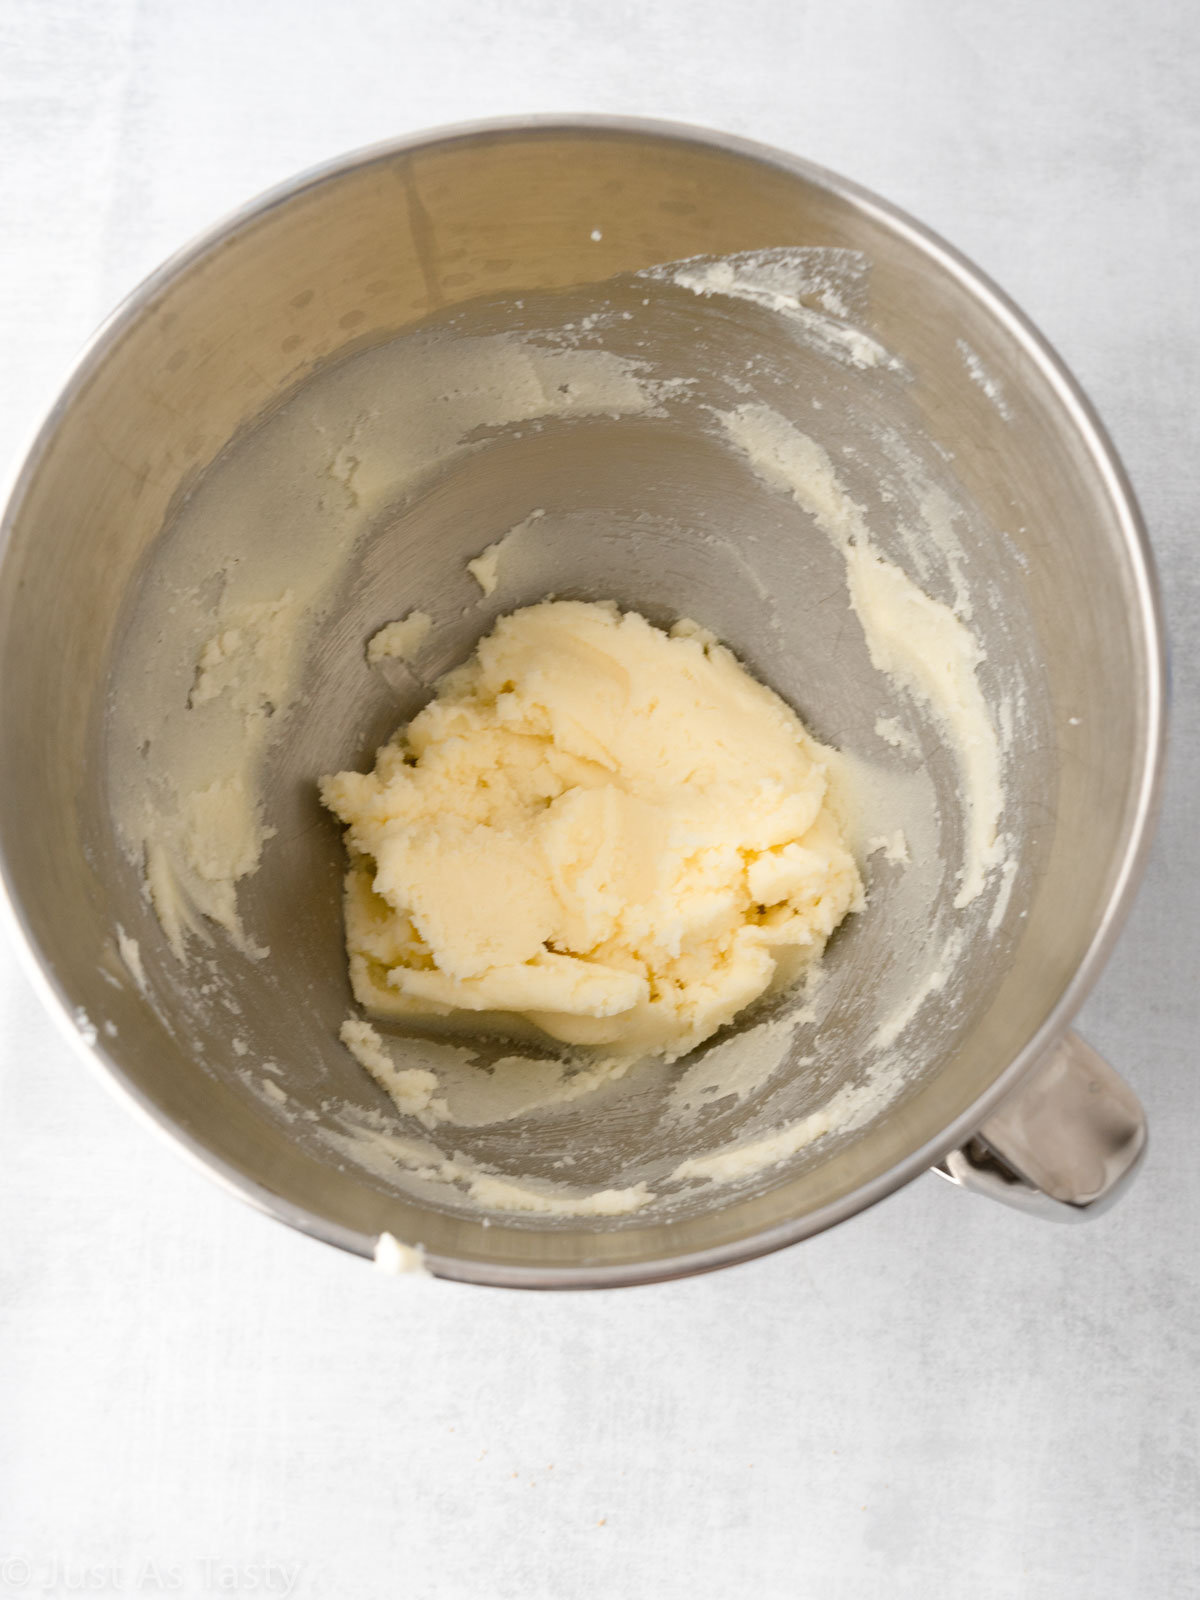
(938, 1396)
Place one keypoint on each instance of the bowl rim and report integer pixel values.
(1144, 814)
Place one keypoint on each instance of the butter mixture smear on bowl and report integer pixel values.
(612, 832)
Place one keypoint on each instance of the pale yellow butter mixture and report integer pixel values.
(612, 832)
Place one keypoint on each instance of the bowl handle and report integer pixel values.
(1063, 1145)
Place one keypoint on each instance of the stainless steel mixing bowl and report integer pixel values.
(1003, 1098)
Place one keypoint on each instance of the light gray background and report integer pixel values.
(940, 1395)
